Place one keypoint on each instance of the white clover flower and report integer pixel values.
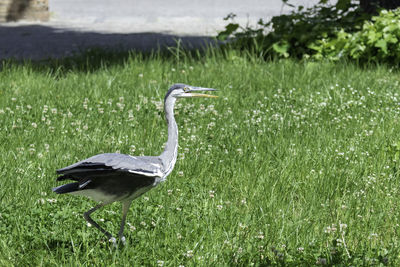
(210, 125)
(260, 235)
(120, 106)
(327, 230)
(211, 192)
(159, 105)
(189, 253)
(131, 227)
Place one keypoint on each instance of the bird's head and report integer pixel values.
(180, 90)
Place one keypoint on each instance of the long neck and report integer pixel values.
(168, 157)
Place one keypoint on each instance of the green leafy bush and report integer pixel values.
(377, 41)
(294, 34)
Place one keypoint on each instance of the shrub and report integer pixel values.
(377, 41)
(294, 34)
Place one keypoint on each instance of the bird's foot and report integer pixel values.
(113, 241)
(123, 240)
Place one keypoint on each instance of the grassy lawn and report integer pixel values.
(295, 163)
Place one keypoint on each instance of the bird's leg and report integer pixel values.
(86, 215)
(125, 209)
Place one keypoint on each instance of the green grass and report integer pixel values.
(294, 164)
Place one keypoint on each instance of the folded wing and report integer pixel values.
(111, 173)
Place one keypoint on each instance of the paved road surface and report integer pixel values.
(76, 25)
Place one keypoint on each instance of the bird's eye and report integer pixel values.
(185, 89)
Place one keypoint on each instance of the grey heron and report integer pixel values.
(111, 177)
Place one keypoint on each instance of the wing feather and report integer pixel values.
(147, 166)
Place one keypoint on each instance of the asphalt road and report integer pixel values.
(76, 25)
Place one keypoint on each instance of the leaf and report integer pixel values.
(281, 48)
(229, 29)
(372, 37)
(382, 44)
(391, 27)
(286, 3)
(343, 4)
(230, 16)
(390, 38)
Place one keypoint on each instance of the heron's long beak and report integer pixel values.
(189, 92)
(198, 95)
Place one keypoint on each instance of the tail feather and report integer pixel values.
(66, 188)
(85, 166)
(85, 174)
(66, 177)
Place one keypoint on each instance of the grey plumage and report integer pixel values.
(116, 161)
(111, 177)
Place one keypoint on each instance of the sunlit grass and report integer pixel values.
(294, 163)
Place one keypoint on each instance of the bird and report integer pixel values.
(111, 177)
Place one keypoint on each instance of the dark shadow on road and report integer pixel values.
(40, 42)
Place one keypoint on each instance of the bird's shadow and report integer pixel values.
(56, 243)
